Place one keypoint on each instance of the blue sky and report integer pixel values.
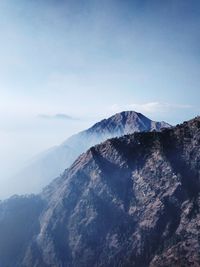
(89, 59)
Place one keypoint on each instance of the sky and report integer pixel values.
(67, 64)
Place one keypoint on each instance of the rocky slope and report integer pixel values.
(130, 201)
(53, 162)
(19, 221)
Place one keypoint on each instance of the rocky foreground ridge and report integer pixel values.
(130, 202)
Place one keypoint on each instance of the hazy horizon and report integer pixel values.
(67, 64)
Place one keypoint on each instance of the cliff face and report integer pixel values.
(131, 201)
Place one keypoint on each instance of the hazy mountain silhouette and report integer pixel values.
(53, 162)
(130, 201)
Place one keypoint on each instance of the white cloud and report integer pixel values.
(150, 107)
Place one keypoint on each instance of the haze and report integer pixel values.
(67, 64)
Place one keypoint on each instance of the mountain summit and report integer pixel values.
(132, 201)
(53, 162)
(127, 122)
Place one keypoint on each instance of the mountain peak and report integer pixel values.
(128, 116)
(129, 201)
(127, 122)
(61, 157)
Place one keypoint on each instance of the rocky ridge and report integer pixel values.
(130, 201)
(51, 163)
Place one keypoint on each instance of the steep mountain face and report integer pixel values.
(19, 221)
(130, 201)
(53, 162)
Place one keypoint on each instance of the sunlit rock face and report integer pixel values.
(130, 201)
(50, 164)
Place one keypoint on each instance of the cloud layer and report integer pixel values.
(59, 116)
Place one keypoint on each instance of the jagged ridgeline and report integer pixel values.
(50, 164)
(128, 202)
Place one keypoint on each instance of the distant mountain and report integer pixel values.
(132, 201)
(53, 162)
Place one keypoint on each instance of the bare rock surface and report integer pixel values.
(131, 201)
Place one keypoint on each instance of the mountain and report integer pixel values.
(132, 201)
(53, 162)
